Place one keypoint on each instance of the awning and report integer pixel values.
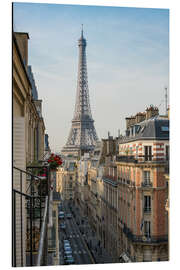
(125, 257)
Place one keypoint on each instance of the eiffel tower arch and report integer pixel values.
(82, 137)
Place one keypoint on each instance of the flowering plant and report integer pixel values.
(54, 161)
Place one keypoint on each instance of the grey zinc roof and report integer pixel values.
(150, 129)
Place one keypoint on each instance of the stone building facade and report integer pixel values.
(66, 179)
(142, 192)
(28, 129)
(127, 191)
(102, 194)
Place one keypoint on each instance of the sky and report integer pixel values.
(127, 61)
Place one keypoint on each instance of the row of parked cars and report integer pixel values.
(68, 258)
(62, 215)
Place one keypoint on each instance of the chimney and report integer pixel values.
(140, 117)
(151, 112)
(130, 121)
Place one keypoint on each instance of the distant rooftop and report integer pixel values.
(154, 128)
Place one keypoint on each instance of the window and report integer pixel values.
(143, 128)
(138, 129)
(147, 229)
(147, 179)
(148, 153)
(147, 203)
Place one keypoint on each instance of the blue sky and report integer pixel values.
(127, 61)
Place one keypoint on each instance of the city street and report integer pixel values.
(86, 248)
(80, 251)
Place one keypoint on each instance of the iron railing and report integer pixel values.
(147, 209)
(29, 193)
(42, 250)
(146, 184)
(144, 239)
(140, 159)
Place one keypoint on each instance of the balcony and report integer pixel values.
(30, 215)
(144, 238)
(140, 159)
(147, 210)
(147, 184)
(150, 239)
(126, 159)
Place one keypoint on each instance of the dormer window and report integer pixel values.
(143, 128)
(138, 129)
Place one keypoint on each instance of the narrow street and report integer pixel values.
(80, 251)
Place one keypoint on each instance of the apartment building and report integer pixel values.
(142, 190)
(128, 190)
(81, 186)
(66, 179)
(102, 199)
(28, 138)
(109, 208)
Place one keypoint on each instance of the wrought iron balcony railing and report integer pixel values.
(147, 210)
(144, 238)
(140, 159)
(146, 184)
(30, 194)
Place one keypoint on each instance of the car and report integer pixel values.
(68, 252)
(66, 241)
(68, 248)
(68, 256)
(61, 214)
(63, 226)
(69, 215)
(67, 244)
(69, 259)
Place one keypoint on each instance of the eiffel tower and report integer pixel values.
(82, 137)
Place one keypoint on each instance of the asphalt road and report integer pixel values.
(80, 251)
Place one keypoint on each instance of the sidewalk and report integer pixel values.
(99, 253)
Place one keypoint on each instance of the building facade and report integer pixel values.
(142, 192)
(28, 136)
(66, 179)
(127, 190)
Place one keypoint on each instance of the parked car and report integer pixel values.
(67, 252)
(68, 256)
(63, 226)
(67, 248)
(69, 260)
(61, 214)
(67, 245)
(66, 241)
(69, 215)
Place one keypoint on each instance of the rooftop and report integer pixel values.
(156, 128)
